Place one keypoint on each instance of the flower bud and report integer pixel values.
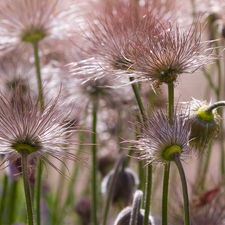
(204, 124)
(125, 187)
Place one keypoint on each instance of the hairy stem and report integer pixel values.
(24, 161)
(138, 97)
(218, 104)
(136, 207)
(38, 71)
(167, 166)
(94, 162)
(184, 187)
(218, 93)
(148, 194)
(170, 102)
(165, 193)
(41, 99)
(205, 168)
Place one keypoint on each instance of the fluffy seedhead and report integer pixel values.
(28, 21)
(110, 36)
(169, 51)
(204, 126)
(159, 139)
(26, 130)
(16, 71)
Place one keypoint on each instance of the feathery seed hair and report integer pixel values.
(23, 128)
(169, 51)
(157, 135)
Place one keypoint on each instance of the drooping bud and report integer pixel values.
(125, 187)
(204, 122)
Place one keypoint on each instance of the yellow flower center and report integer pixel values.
(169, 152)
(26, 145)
(208, 117)
(33, 35)
(24, 148)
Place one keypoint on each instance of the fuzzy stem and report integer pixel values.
(94, 162)
(37, 65)
(148, 194)
(184, 186)
(210, 108)
(138, 97)
(24, 161)
(165, 193)
(136, 207)
(3, 197)
(202, 181)
(218, 93)
(222, 165)
(167, 166)
(41, 99)
(142, 110)
(170, 101)
(113, 180)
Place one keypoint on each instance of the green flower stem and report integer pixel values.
(215, 25)
(3, 198)
(202, 181)
(136, 205)
(165, 193)
(94, 162)
(142, 110)
(138, 97)
(218, 104)
(114, 178)
(24, 161)
(167, 166)
(170, 101)
(185, 191)
(222, 168)
(41, 99)
(142, 176)
(37, 65)
(11, 202)
(148, 194)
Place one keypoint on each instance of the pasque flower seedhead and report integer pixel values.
(169, 51)
(111, 34)
(159, 140)
(26, 130)
(29, 21)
